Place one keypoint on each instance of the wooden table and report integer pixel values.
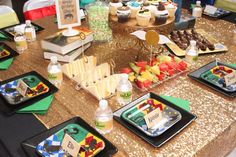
(213, 134)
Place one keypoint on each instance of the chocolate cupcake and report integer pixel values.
(123, 14)
(161, 14)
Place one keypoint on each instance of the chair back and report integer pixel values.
(36, 9)
(8, 17)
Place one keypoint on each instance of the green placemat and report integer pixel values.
(234, 65)
(3, 37)
(5, 64)
(184, 104)
(40, 107)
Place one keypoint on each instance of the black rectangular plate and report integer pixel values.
(158, 141)
(30, 144)
(4, 30)
(10, 109)
(196, 75)
(218, 16)
(13, 53)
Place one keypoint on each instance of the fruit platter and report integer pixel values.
(148, 74)
(216, 76)
(205, 43)
(167, 117)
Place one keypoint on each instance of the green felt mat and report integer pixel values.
(40, 107)
(5, 64)
(184, 104)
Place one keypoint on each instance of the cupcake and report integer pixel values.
(135, 7)
(150, 7)
(161, 14)
(123, 14)
(143, 17)
(153, 2)
(171, 8)
(113, 5)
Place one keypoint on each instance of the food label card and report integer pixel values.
(22, 87)
(230, 78)
(153, 117)
(70, 146)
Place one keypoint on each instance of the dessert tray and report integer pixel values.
(212, 75)
(206, 43)
(24, 90)
(48, 143)
(135, 116)
(6, 52)
(174, 119)
(90, 144)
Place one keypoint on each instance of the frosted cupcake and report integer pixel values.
(143, 17)
(113, 5)
(150, 7)
(135, 7)
(123, 14)
(161, 14)
(171, 8)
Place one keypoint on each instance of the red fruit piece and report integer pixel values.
(172, 65)
(160, 77)
(143, 84)
(126, 70)
(153, 62)
(182, 65)
(171, 72)
(141, 64)
(163, 67)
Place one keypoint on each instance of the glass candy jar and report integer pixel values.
(98, 21)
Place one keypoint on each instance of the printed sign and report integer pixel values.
(230, 78)
(152, 37)
(22, 87)
(68, 13)
(70, 146)
(153, 117)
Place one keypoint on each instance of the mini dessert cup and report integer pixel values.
(113, 5)
(143, 17)
(171, 8)
(123, 14)
(161, 17)
(150, 7)
(135, 7)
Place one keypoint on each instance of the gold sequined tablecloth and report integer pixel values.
(213, 134)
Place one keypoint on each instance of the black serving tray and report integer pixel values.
(158, 141)
(11, 36)
(13, 53)
(196, 75)
(220, 13)
(10, 109)
(30, 144)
